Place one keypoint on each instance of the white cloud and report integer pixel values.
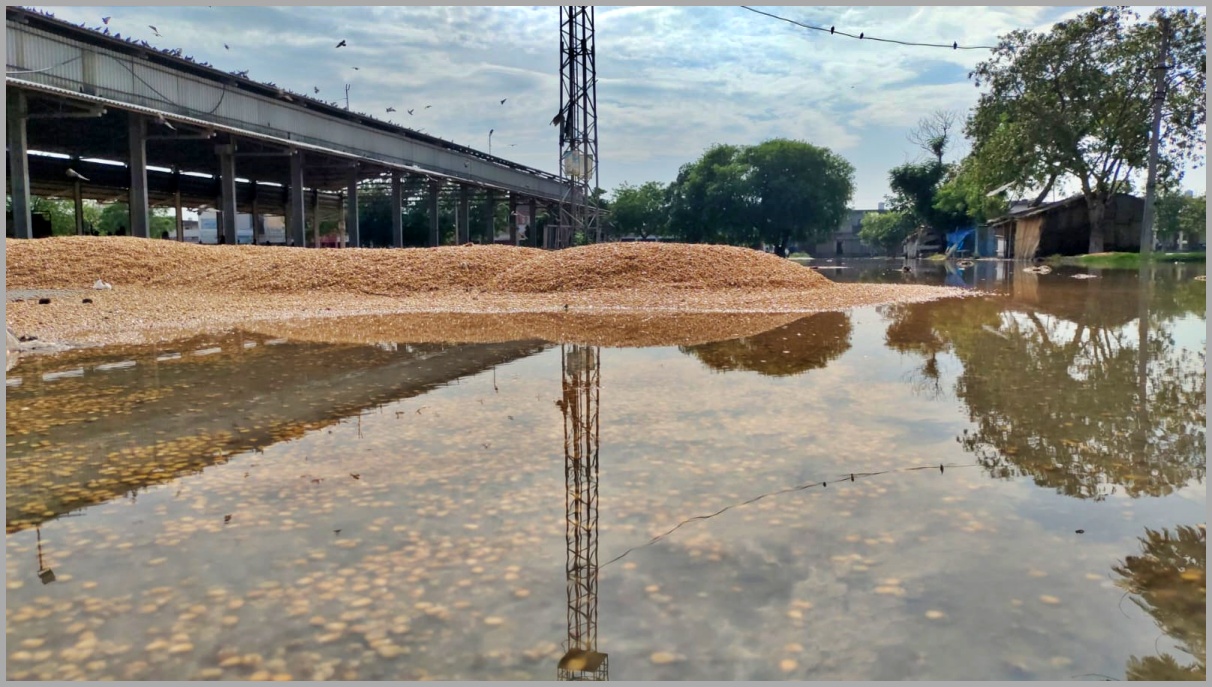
(673, 80)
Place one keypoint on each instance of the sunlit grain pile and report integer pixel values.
(164, 289)
(639, 265)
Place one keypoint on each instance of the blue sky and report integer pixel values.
(672, 80)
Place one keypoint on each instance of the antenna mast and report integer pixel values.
(578, 122)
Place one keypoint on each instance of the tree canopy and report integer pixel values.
(885, 229)
(640, 210)
(1076, 102)
(777, 192)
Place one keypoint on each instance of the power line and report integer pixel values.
(832, 30)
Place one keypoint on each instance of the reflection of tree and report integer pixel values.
(1169, 582)
(806, 344)
(1064, 401)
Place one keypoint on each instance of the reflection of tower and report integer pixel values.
(580, 366)
(44, 573)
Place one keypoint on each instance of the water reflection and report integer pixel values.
(1059, 388)
(100, 436)
(581, 371)
(809, 343)
(1168, 580)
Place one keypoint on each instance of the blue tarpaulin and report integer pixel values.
(955, 239)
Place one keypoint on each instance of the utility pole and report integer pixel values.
(347, 97)
(1159, 98)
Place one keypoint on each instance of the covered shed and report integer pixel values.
(1063, 228)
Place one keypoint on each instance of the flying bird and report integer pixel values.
(155, 31)
(105, 20)
(341, 44)
(316, 89)
(391, 109)
(226, 46)
(503, 100)
(428, 106)
(410, 112)
(76, 175)
(357, 69)
(164, 122)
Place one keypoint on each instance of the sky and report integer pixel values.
(672, 81)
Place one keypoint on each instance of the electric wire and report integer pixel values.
(862, 36)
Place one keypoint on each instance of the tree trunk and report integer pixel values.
(1098, 211)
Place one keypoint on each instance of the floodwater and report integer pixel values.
(1000, 487)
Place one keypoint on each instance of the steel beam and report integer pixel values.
(140, 210)
(18, 152)
(351, 209)
(78, 201)
(534, 221)
(295, 216)
(397, 210)
(513, 219)
(435, 229)
(315, 216)
(227, 191)
(177, 204)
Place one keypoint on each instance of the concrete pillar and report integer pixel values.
(462, 228)
(295, 230)
(78, 199)
(342, 237)
(140, 210)
(315, 216)
(351, 210)
(435, 229)
(490, 217)
(256, 217)
(533, 222)
(227, 192)
(513, 219)
(18, 151)
(397, 210)
(177, 204)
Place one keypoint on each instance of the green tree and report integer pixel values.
(1180, 214)
(115, 219)
(709, 200)
(640, 210)
(1076, 101)
(800, 191)
(885, 229)
(965, 192)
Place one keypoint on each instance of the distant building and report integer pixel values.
(845, 243)
(1063, 228)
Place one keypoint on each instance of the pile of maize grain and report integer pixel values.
(77, 262)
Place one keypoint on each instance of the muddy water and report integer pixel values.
(1005, 487)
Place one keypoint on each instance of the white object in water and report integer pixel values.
(102, 285)
(207, 351)
(115, 366)
(169, 356)
(52, 376)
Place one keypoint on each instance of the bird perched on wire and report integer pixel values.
(955, 45)
(861, 34)
(341, 44)
(831, 28)
(76, 175)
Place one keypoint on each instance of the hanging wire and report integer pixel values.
(863, 36)
(849, 477)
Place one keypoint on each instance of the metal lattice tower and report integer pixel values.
(580, 368)
(578, 123)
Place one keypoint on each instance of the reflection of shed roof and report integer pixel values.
(208, 407)
(1046, 208)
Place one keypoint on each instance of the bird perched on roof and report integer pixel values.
(76, 175)
(341, 44)
(164, 122)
